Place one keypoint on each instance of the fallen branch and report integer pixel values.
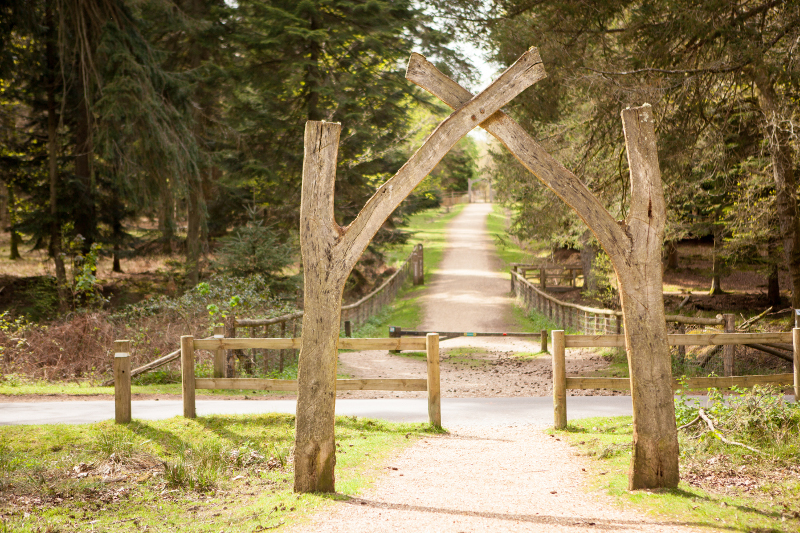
(690, 423)
(149, 366)
(750, 321)
(684, 302)
(771, 351)
(710, 424)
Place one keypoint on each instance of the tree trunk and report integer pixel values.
(773, 285)
(588, 257)
(654, 462)
(166, 216)
(52, 154)
(330, 252)
(16, 240)
(716, 263)
(783, 175)
(193, 235)
(86, 219)
(4, 221)
(671, 250)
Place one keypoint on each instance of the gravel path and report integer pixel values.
(510, 478)
(500, 479)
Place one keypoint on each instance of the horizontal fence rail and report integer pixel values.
(562, 382)
(218, 344)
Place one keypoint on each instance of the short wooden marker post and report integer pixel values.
(728, 350)
(544, 340)
(348, 329)
(395, 332)
(559, 380)
(122, 382)
(796, 343)
(187, 374)
(219, 354)
(434, 384)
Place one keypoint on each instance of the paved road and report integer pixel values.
(456, 412)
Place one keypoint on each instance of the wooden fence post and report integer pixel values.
(122, 382)
(544, 340)
(796, 342)
(419, 266)
(348, 329)
(187, 378)
(219, 355)
(729, 349)
(434, 385)
(230, 333)
(559, 380)
(395, 332)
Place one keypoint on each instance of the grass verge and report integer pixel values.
(721, 487)
(229, 473)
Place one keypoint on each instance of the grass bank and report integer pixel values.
(228, 473)
(722, 486)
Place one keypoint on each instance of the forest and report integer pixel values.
(163, 138)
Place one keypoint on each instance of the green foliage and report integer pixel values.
(256, 249)
(217, 298)
(759, 416)
(87, 292)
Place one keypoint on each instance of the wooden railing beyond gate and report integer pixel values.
(562, 382)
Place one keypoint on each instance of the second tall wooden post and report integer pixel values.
(434, 385)
(187, 376)
(122, 382)
(559, 380)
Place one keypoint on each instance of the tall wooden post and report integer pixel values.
(122, 382)
(559, 380)
(434, 385)
(187, 376)
(544, 340)
(729, 350)
(219, 355)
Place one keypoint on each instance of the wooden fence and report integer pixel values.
(218, 345)
(562, 382)
(552, 276)
(589, 320)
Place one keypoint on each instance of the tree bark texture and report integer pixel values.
(86, 223)
(195, 218)
(634, 247)
(330, 252)
(588, 257)
(52, 154)
(16, 240)
(654, 462)
(783, 175)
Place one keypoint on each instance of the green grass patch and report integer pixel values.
(745, 492)
(228, 473)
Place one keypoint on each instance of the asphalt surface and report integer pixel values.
(456, 412)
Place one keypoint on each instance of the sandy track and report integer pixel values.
(504, 479)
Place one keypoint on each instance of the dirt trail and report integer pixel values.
(470, 293)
